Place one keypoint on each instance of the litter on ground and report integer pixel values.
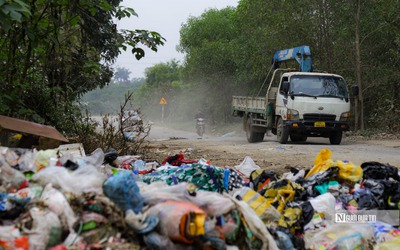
(66, 199)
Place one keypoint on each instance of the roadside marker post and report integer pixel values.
(163, 102)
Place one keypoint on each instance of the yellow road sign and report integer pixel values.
(163, 101)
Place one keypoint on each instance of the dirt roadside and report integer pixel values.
(231, 148)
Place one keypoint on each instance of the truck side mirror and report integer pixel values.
(355, 90)
(285, 87)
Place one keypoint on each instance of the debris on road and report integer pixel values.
(60, 199)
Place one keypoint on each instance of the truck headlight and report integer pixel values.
(292, 114)
(345, 117)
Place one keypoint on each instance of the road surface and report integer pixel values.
(231, 148)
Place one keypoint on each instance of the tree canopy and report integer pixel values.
(52, 52)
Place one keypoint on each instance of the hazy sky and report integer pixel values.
(166, 18)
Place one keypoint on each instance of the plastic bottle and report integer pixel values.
(139, 165)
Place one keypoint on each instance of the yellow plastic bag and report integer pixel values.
(322, 162)
(349, 172)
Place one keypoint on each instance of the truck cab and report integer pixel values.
(311, 105)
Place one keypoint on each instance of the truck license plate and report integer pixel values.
(319, 124)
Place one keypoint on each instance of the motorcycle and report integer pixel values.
(200, 126)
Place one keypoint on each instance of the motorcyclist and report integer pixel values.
(199, 117)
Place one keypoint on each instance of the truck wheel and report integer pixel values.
(298, 138)
(335, 138)
(251, 135)
(282, 133)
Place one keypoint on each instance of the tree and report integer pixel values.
(122, 75)
(162, 80)
(209, 44)
(62, 50)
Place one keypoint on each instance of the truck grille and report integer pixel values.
(319, 117)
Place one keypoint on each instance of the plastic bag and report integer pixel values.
(247, 166)
(10, 238)
(180, 221)
(124, 192)
(10, 178)
(342, 236)
(390, 244)
(43, 157)
(255, 224)
(57, 203)
(325, 204)
(85, 179)
(259, 204)
(322, 162)
(214, 204)
(349, 172)
(46, 229)
(385, 232)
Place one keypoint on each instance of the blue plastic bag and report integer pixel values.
(122, 189)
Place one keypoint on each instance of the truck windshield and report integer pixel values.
(318, 86)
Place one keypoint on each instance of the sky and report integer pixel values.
(166, 18)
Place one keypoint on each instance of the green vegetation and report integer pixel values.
(52, 52)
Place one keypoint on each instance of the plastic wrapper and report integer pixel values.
(85, 179)
(343, 236)
(9, 156)
(180, 221)
(247, 166)
(385, 232)
(57, 203)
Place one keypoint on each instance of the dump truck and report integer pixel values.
(298, 103)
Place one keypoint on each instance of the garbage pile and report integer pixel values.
(50, 200)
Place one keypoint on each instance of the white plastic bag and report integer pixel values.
(46, 229)
(84, 179)
(57, 203)
(325, 204)
(247, 166)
